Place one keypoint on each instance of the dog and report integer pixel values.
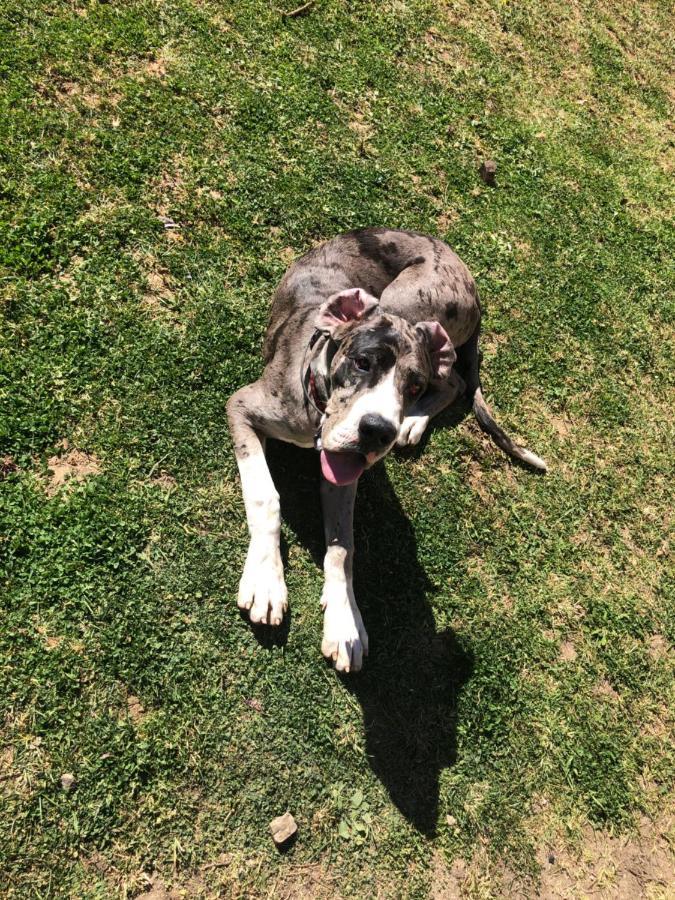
(367, 335)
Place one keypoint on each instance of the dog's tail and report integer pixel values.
(500, 437)
(471, 361)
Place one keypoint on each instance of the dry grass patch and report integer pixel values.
(69, 467)
(170, 189)
(75, 95)
(104, 209)
(135, 709)
(568, 652)
(554, 82)
(593, 863)
(160, 64)
(604, 689)
(359, 115)
(8, 772)
(23, 760)
(479, 878)
(234, 876)
(164, 481)
(638, 865)
(312, 881)
(447, 881)
(658, 646)
(159, 300)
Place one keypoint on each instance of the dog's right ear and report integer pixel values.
(345, 308)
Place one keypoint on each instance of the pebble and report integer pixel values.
(283, 829)
(68, 781)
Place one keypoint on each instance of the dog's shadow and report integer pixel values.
(411, 681)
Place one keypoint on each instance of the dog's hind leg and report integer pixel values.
(344, 638)
(262, 589)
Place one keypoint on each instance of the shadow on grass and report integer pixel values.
(411, 682)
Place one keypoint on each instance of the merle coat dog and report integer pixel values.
(360, 353)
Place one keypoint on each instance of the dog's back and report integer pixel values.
(415, 276)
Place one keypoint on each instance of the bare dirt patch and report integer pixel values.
(69, 467)
(446, 882)
(491, 342)
(160, 294)
(156, 68)
(73, 95)
(604, 689)
(52, 642)
(306, 882)
(479, 878)
(135, 709)
(288, 255)
(156, 890)
(447, 219)
(23, 759)
(568, 651)
(599, 865)
(658, 646)
(626, 867)
(562, 427)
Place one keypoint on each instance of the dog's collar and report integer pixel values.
(318, 401)
(315, 376)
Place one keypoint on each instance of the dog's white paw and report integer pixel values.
(262, 589)
(411, 430)
(344, 637)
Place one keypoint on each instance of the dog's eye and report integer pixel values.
(362, 363)
(415, 390)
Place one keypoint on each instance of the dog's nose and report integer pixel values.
(375, 432)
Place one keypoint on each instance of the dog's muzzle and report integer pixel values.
(375, 434)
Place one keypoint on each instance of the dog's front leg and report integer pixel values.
(262, 589)
(434, 401)
(344, 638)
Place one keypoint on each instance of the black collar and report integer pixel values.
(315, 376)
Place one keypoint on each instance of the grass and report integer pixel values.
(519, 680)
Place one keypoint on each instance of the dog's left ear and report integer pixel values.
(441, 351)
(344, 308)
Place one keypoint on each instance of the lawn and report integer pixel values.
(161, 164)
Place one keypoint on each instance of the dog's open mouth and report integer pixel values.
(342, 468)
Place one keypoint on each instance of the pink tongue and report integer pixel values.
(341, 468)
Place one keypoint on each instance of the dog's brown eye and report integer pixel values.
(415, 390)
(362, 363)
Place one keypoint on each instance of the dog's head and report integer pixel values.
(382, 364)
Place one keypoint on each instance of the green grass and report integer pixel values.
(519, 678)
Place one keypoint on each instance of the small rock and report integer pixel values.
(452, 821)
(283, 829)
(551, 858)
(488, 172)
(68, 781)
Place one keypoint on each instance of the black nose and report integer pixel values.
(375, 433)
